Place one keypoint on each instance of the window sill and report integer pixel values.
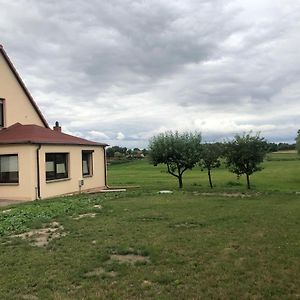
(9, 184)
(87, 176)
(58, 180)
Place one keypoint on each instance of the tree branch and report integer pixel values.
(183, 170)
(170, 172)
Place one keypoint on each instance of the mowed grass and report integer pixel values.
(232, 244)
(281, 172)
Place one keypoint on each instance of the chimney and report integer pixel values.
(57, 127)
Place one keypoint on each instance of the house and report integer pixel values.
(38, 162)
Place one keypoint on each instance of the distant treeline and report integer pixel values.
(120, 153)
(273, 147)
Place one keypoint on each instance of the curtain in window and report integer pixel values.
(9, 169)
(1, 114)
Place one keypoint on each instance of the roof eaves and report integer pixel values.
(51, 143)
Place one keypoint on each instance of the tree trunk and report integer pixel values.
(209, 179)
(248, 181)
(180, 181)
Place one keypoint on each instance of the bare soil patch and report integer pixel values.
(152, 218)
(87, 215)
(146, 283)
(129, 258)
(99, 206)
(187, 225)
(231, 248)
(41, 237)
(236, 194)
(100, 272)
(29, 297)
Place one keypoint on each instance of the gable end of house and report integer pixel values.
(23, 87)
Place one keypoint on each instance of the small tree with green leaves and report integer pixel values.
(298, 141)
(179, 151)
(244, 154)
(210, 158)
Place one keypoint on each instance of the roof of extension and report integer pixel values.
(13, 69)
(34, 134)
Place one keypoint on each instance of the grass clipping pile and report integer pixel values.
(42, 236)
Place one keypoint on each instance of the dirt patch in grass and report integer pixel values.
(236, 194)
(101, 272)
(87, 215)
(29, 297)
(231, 248)
(187, 225)
(146, 284)
(99, 206)
(42, 236)
(129, 258)
(152, 218)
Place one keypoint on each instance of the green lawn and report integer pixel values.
(232, 244)
(281, 172)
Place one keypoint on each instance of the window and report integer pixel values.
(9, 169)
(87, 162)
(56, 166)
(1, 113)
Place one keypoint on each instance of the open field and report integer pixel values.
(281, 173)
(232, 244)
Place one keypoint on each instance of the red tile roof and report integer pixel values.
(13, 69)
(34, 134)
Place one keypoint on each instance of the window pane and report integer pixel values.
(87, 162)
(9, 170)
(50, 157)
(60, 158)
(60, 168)
(56, 166)
(85, 167)
(1, 114)
(49, 166)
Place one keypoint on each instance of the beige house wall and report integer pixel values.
(26, 188)
(71, 185)
(17, 107)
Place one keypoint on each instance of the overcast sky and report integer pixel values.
(120, 71)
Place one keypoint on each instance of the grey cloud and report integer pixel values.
(139, 67)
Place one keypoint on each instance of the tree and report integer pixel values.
(179, 151)
(244, 154)
(110, 152)
(210, 158)
(272, 147)
(118, 155)
(145, 152)
(286, 147)
(298, 141)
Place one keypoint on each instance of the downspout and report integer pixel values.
(38, 172)
(105, 169)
